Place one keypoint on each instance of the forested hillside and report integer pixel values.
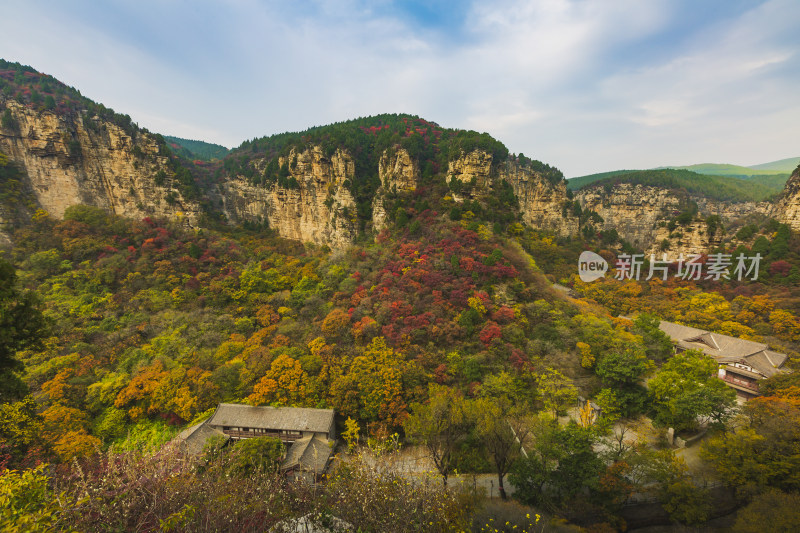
(201, 150)
(435, 327)
(755, 188)
(150, 325)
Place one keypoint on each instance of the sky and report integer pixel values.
(585, 85)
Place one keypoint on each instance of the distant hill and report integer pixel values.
(726, 188)
(577, 183)
(784, 165)
(716, 169)
(196, 149)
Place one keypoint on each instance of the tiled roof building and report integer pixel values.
(742, 362)
(306, 432)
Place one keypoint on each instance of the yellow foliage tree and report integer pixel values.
(74, 444)
(285, 383)
(350, 434)
(587, 357)
(335, 324)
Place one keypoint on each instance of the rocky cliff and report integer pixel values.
(398, 172)
(68, 155)
(787, 210)
(541, 202)
(633, 210)
(69, 159)
(640, 215)
(320, 209)
(473, 167)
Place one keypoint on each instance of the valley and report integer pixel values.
(420, 281)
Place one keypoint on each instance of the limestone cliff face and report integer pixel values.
(475, 165)
(729, 211)
(690, 239)
(398, 172)
(71, 160)
(633, 210)
(787, 210)
(320, 209)
(541, 202)
(639, 213)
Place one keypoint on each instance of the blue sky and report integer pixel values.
(585, 85)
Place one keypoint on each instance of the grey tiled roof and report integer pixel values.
(726, 349)
(193, 439)
(276, 418)
(308, 453)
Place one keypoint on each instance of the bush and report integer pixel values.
(257, 454)
(93, 217)
(26, 502)
(169, 491)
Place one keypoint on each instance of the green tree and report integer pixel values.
(7, 121)
(350, 434)
(441, 424)
(770, 512)
(557, 391)
(256, 454)
(666, 476)
(687, 387)
(503, 430)
(22, 326)
(657, 343)
(762, 449)
(20, 427)
(560, 463)
(622, 371)
(26, 501)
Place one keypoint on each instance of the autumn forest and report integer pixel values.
(441, 332)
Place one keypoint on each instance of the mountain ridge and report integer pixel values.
(330, 185)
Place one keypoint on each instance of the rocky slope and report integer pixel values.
(541, 202)
(70, 159)
(640, 215)
(319, 210)
(398, 172)
(787, 210)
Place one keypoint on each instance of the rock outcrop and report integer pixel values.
(475, 165)
(640, 214)
(787, 210)
(320, 209)
(541, 202)
(398, 172)
(692, 238)
(72, 158)
(75, 159)
(633, 210)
